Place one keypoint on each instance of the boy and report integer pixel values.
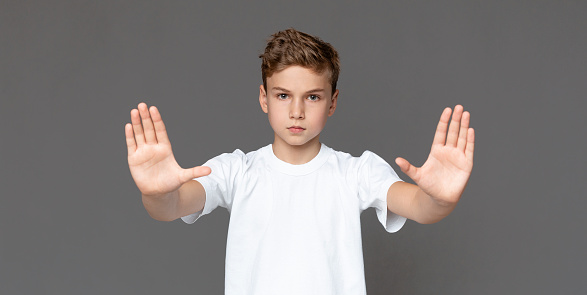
(295, 204)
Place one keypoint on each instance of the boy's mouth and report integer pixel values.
(295, 129)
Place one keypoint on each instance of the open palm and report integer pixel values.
(150, 158)
(446, 172)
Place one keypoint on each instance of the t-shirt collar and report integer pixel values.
(302, 169)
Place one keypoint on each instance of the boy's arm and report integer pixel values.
(410, 201)
(168, 191)
(188, 199)
(443, 177)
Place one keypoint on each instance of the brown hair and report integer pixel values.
(292, 47)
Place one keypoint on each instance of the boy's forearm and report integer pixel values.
(428, 210)
(410, 201)
(162, 207)
(188, 199)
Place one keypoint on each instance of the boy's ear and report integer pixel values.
(333, 105)
(263, 98)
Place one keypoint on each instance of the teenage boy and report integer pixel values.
(295, 204)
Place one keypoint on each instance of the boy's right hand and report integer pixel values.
(150, 159)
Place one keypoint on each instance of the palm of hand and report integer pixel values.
(152, 167)
(150, 158)
(446, 172)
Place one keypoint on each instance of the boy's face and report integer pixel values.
(298, 102)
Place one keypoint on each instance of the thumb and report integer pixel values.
(191, 173)
(407, 168)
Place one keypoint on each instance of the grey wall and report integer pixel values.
(71, 218)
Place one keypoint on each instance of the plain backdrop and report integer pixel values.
(71, 217)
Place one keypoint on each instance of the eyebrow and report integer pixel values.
(309, 91)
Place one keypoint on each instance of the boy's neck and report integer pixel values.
(296, 154)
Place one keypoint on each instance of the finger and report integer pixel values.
(137, 127)
(440, 135)
(462, 142)
(407, 168)
(189, 174)
(147, 124)
(160, 130)
(453, 129)
(130, 139)
(470, 144)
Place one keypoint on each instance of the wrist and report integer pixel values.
(433, 209)
(161, 207)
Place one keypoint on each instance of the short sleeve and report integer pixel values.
(375, 176)
(220, 184)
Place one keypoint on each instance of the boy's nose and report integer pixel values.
(297, 109)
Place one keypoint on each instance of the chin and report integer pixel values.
(296, 143)
(299, 142)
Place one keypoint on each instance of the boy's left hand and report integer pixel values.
(446, 172)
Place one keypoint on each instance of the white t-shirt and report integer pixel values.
(295, 229)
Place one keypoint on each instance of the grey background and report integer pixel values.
(71, 218)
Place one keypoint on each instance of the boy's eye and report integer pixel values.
(313, 97)
(282, 96)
